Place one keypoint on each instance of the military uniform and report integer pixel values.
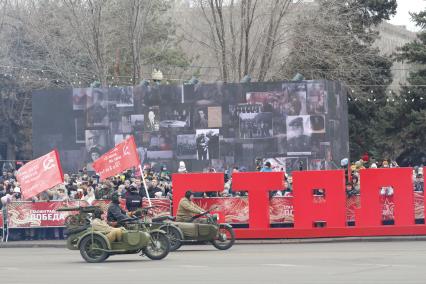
(113, 234)
(186, 210)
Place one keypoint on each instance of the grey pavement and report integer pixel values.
(61, 243)
(335, 262)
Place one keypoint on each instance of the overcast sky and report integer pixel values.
(405, 6)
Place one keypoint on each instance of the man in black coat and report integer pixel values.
(115, 213)
(133, 199)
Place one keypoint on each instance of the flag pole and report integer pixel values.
(144, 185)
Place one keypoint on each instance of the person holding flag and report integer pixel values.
(119, 159)
(39, 175)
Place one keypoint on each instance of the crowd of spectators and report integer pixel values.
(130, 185)
(367, 162)
(87, 187)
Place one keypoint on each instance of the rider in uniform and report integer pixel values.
(187, 209)
(113, 234)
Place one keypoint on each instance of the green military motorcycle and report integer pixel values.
(95, 247)
(221, 236)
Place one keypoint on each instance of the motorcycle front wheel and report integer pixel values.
(158, 246)
(225, 238)
(174, 237)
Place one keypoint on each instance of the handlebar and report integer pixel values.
(201, 215)
(149, 207)
(145, 210)
(204, 213)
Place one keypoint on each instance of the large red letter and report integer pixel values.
(306, 212)
(196, 183)
(371, 180)
(258, 186)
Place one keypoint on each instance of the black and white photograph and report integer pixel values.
(275, 102)
(79, 125)
(96, 144)
(207, 141)
(235, 110)
(121, 96)
(79, 98)
(298, 133)
(256, 125)
(137, 121)
(152, 119)
(296, 103)
(186, 147)
(201, 118)
(125, 124)
(97, 108)
(175, 117)
(317, 98)
(317, 123)
(96, 138)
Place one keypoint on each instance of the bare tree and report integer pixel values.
(243, 35)
(86, 20)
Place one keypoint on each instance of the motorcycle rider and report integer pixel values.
(115, 213)
(113, 234)
(187, 209)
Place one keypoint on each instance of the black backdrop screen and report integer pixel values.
(291, 124)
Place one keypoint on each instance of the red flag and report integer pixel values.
(118, 159)
(40, 174)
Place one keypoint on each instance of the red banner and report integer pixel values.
(39, 214)
(40, 174)
(118, 159)
(1, 219)
(235, 209)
